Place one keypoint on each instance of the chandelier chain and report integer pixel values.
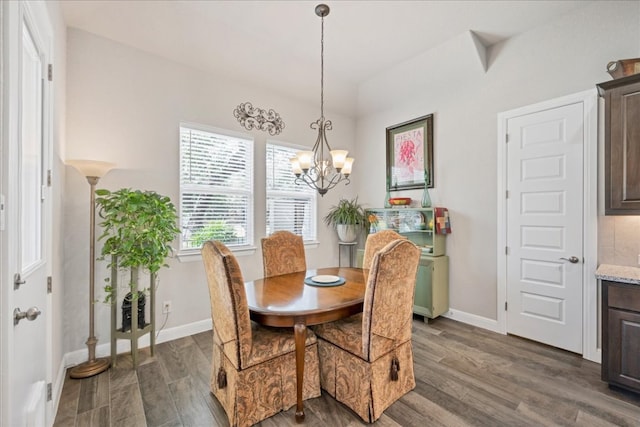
(322, 70)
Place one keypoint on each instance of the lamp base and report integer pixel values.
(90, 368)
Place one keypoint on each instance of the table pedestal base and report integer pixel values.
(300, 334)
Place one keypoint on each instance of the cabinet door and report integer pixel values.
(431, 296)
(422, 297)
(624, 348)
(622, 145)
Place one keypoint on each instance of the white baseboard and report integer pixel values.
(104, 350)
(473, 320)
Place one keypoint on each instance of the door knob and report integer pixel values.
(31, 314)
(572, 260)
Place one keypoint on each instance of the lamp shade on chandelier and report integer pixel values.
(322, 168)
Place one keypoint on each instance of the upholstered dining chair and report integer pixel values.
(377, 241)
(283, 253)
(253, 372)
(366, 361)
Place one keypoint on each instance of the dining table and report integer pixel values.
(296, 300)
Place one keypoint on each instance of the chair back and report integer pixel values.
(388, 300)
(229, 309)
(283, 253)
(377, 241)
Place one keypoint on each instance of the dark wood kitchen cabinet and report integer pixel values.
(621, 334)
(622, 145)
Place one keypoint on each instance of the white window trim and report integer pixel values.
(191, 255)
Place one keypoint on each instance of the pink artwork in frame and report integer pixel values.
(410, 154)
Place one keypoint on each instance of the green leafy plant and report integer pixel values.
(137, 228)
(346, 212)
(214, 230)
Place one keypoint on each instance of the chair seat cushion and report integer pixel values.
(347, 334)
(273, 342)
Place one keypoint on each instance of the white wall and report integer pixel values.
(124, 106)
(565, 56)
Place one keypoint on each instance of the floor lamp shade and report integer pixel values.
(92, 167)
(93, 170)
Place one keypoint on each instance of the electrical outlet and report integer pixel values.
(638, 259)
(166, 307)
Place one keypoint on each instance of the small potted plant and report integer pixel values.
(348, 217)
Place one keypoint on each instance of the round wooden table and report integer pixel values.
(286, 301)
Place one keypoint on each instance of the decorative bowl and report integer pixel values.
(400, 201)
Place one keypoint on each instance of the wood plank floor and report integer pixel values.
(465, 376)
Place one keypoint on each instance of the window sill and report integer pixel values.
(195, 255)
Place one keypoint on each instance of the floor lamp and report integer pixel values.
(93, 170)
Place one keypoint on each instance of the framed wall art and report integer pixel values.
(410, 154)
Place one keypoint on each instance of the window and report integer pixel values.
(290, 206)
(216, 187)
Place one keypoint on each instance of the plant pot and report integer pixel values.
(347, 233)
(127, 308)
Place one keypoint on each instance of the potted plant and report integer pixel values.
(348, 217)
(138, 228)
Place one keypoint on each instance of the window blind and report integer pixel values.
(290, 206)
(216, 188)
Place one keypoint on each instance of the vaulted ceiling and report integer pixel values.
(276, 44)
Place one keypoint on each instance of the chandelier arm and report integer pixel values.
(326, 126)
(319, 140)
(312, 182)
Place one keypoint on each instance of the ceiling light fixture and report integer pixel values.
(315, 168)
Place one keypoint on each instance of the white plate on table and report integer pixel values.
(325, 278)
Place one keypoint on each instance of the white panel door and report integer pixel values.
(29, 218)
(544, 226)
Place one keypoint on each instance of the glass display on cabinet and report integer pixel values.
(415, 223)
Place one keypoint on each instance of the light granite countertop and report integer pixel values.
(619, 273)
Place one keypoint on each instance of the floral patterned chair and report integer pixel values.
(283, 253)
(253, 372)
(377, 241)
(366, 361)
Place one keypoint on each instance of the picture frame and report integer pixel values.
(410, 154)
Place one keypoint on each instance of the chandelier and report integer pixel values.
(322, 168)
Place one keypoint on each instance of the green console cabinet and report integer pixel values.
(431, 296)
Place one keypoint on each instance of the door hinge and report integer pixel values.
(505, 306)
(49, 284)
(506, 250)
(506, 137)
(49, 178)
(50, 72)
(1, 212)
(49, 392)
(506, 194)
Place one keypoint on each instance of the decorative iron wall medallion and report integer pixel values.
(251, 117)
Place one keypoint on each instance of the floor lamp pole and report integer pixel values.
(93, 366)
